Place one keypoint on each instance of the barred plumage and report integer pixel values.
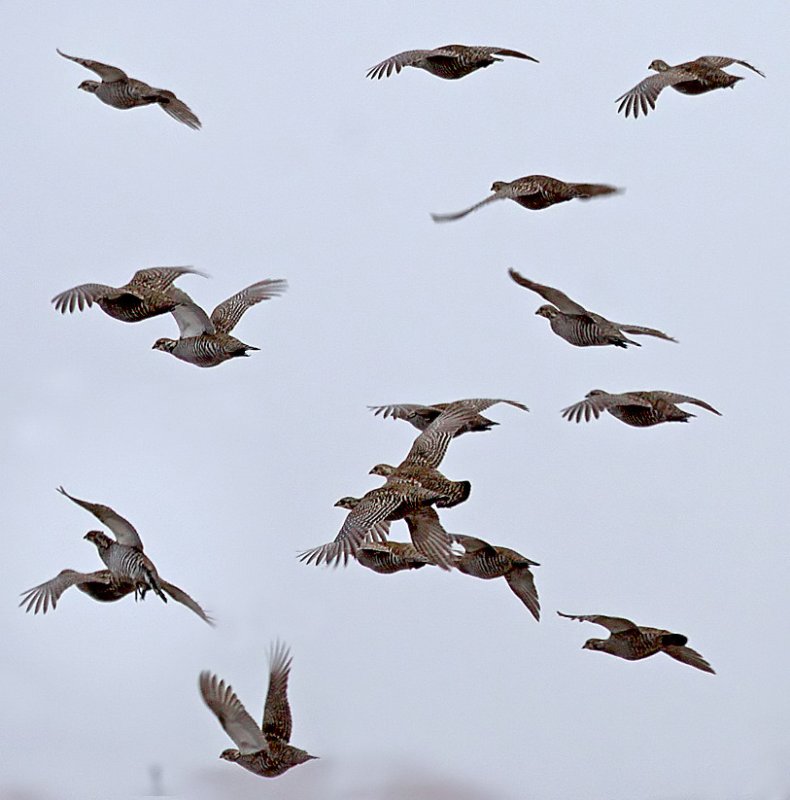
(702, 75)
(264, 751)
(535, 192)
(149, 293)
(638, 409)
(118, 90)
(387, 558)
(635, 642)
(576, 324)
(206, 342)
(451, 61)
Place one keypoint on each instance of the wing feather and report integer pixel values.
(232, 715)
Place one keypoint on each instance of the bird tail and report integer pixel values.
(584, 191)
(674, 639)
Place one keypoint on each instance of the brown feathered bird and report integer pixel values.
(638, 409)
(389, 557)
(635, 642)
(702, 75)
(534, 192)
(264, 751)
(452, 61)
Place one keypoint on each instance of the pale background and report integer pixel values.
(424, 684)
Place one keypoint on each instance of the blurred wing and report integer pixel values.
(180, 596)
(232, 715)
(522, 582)
(124, 531)
(430, 538)
(612, 624)
(554, 296)
(226, 315)
(397, 63)
(684, 398)
(47, 594)
(459, 214)
(104, 71)
(192, 320)
(81, 297)
(277, 720)
(719, 62)
(640, 330)
(178, 109)
(689, 656)
(643, 96)
(160, 278)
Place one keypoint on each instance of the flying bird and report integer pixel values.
(102, 586)
(577, 325)
(450, 62)
(639, 409)
(635, 642)
(692, 77)
(206, 342)
(535, 192)
(264, 751)
(118, 90)
(422, 416)
(389, 557)
(483, 560)
(148, 294)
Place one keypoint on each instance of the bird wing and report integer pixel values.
(232, 715)
(688, 656)
(192, 320)
(522, 582)
(397, 62)
(593, 407)
(104, 71)
(277, 722)
(478, 404)
(480, 52)
(176, 108)
(180, 596)
(554, 296)
(671, 397)
(639, 329)
(431, 445)
(124, 531)
(429, 537)
(372, 509)
(160, 278)
(719, 62)
(407, 411)
(83, 296)
(612, 624)
(643, 96)
(459, 214)
(227, 314)
(40, 597)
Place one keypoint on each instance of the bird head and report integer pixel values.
(497, 186)
(593, 644)
(347, 502)
(230, 754)
(89, 86)
(99, 538)
(659, 65)
(167, 345)
(385, 470)
(596, 393)
(547, 311)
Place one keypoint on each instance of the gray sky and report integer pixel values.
(305, 170)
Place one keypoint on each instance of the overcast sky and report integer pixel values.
(421, 684)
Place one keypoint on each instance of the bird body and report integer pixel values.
(534, 192)
(389, 557)
(264, 751)
(452, 61)
(577, 325)
(634, 642)
(638, 409)
(148, 294)
(704, 74)
(118, 90)
(206, 341)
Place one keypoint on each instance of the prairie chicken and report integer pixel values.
(535, 192)
(387, 558)
(264, 751)
(483, 560)
(206, 342)
(102, 586)
(416, 483)
(639, 409)
(148, 294)
(452, 61)
(635, 642)
(692, 77)
(118, 90)
(422, 416)
(577, 325)
(124, 556)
